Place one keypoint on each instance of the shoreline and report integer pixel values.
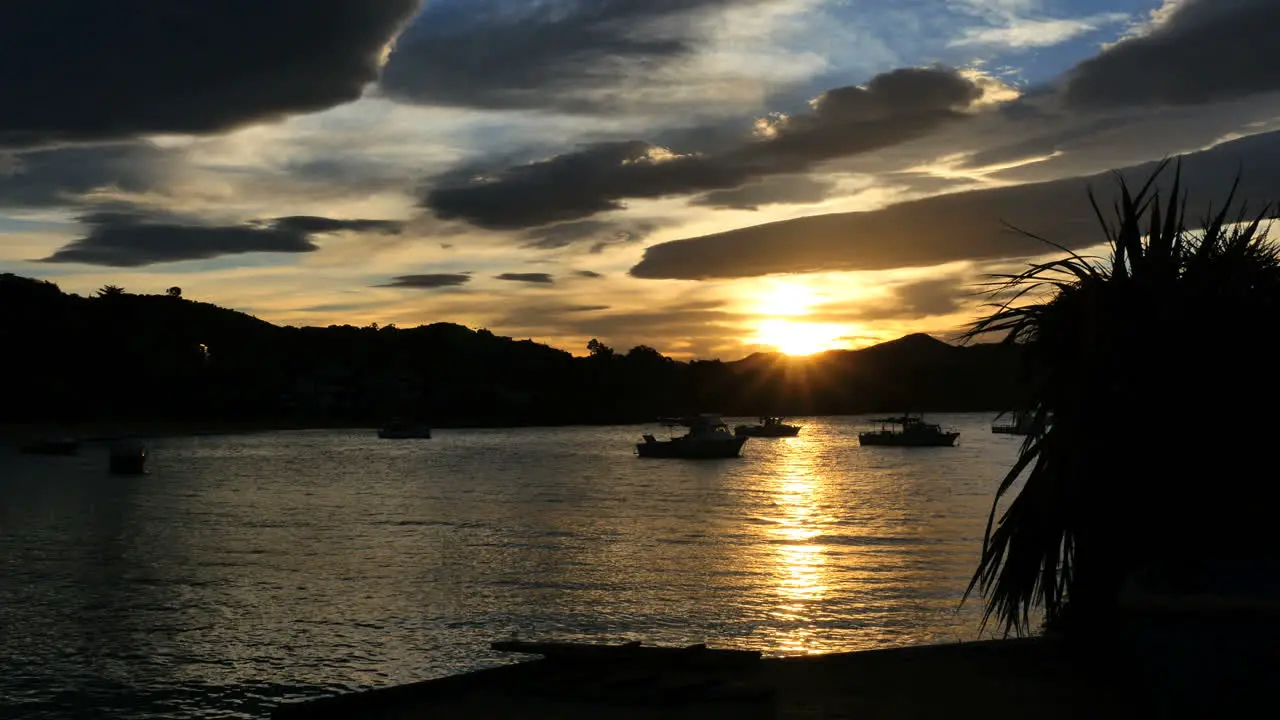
(1018, 678)
(1182, 660)
(107, 431)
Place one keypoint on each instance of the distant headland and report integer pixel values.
(164, 359)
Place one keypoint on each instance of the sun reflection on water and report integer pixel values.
(799, 563)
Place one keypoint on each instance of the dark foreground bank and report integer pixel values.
(1193, 659)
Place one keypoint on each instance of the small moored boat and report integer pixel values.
(404, 430)
(771, 427)
(127, 457)
(708, 438)
(908, 431)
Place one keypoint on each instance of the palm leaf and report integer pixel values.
(1086, 326)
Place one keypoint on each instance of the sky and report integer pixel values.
(708, 177)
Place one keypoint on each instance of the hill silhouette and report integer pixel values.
(132, 358)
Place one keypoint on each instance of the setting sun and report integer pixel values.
(782, 307)
(800, 338)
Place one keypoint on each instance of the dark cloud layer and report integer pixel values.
(554, 237)
(313, 225)
(893, 108)
(126, 240)
(927, 298)
(430, 281)
(93, 69)
(955, 227)
(1207, 51)
(909, 301)
(1044, 144)
(135, 238)
(570, 55)
(532, 278)
(772, 191)
(701, 320)
(43, 178)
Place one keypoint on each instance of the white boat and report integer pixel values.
(708, 438)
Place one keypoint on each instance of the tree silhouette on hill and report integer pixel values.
(123, 356)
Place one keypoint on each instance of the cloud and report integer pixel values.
(941, 296)
(1045, 144)
(907, 301)
(52, 177)
(93, 70)
(336, 307)
(892, 108)
(547, 55)
(533, 278)
(699, 327)
(1021, 33)
(118, 239)
(554, 237)
(575, 56)
(795, 190)
(429, 281)
(136, 237)
(702, 329)
(589, 274)
(957, 226)
(1074, 144)
(577, 185)
(1203, 51)
(547, 316)
(312, 225)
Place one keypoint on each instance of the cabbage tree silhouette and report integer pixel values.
(1146, 361)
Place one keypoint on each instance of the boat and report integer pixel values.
(128, 457)
(403, 430)
(708, 438)
(771, 427)
(51, 446)
(912, 431)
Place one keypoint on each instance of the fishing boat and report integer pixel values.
(708, 438)
(403, 430)
(770, 427)
(908, 431)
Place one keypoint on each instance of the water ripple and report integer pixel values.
(245, 571)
